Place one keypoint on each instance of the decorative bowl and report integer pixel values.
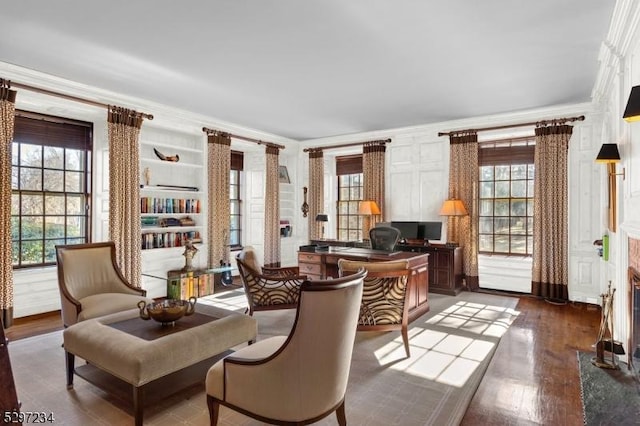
(167, 311)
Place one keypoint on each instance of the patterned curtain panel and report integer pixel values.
(219, 163)
(316, 192)
(124, 190)
(7, 111)
(373, 172)
(550, 223)
(272, 209)
(463, 185)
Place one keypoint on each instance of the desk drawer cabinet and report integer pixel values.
(445, 270)
(310, 264)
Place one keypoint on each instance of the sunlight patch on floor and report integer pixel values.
(449, 358)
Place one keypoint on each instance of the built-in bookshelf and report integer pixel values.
(171, 199)
(173, 204)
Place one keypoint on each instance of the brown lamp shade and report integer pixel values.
(608, 153)
(368, 208)
(453, 207)
(632, 111)
(322, 218)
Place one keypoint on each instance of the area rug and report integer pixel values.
(609, 397)
(451, 347)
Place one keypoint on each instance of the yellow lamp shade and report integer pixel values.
(453, 207)
(368, 208)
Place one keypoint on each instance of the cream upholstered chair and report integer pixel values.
(300, 378)
(384, 297)
(268, 288)
(91, 284)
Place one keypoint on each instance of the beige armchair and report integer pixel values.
(268, 288)
(384, 298)
(91, 284)
(300, 378)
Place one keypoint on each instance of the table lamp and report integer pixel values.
(453, 208)
(368, 208)
(322, 218)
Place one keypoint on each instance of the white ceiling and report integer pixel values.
(317, 68)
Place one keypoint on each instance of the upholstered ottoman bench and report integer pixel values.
(139, 352)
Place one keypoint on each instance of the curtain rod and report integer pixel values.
(68, 97)
(322, 148)
(508, 126)
(213, 132)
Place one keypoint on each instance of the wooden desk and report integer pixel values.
(322, 265)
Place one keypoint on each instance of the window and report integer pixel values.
(50, 186)
(350, 193)
(235, 230)
(506, 197)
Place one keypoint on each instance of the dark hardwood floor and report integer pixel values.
(532, 379)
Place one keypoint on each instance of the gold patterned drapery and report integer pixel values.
(219, 164)
(463, 185)
(124, 190)
(316, 192)
(373, 172)
(550, 276)
(7, 119)
(272, 208)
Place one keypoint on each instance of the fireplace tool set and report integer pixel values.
(605, 342)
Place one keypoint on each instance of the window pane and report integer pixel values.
(501, 208)
(30, 155)
(235, 222)
(355, 193)
(530, 188)
(519, 171)
(501, 225)
(529, 226)
(503, 189)
(486, 190)
(486, 225)
(74, 160)
(54, 227)
(234, 238)
(31, 252)
(234, 192)
(502, 172)
(519, 245)
(486, 173)
(50, 249)
(519, 188)
(518, 225)
(14, 178)
(75, 226)
(75, 204)
(486, 207)
(54, 180)
(32, 227)
(32, 204)
(30, 179)
(53, 157)
(501, 244)
(15, 252)
(54, 204)
(529, 245)
(73, 182)
(353, 222)
(353, 207)
(344, 193)
(15, 228)
(530, 171)
(486, 242)
(234, 206)
(518, 207)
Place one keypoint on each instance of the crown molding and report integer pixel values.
(431, 130)
(164, 116)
